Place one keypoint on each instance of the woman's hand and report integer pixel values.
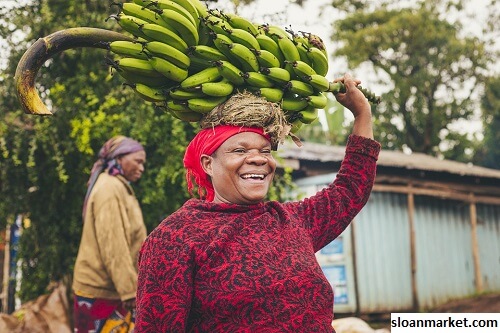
(354, 100)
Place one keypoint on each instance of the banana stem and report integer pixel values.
(339, 87)
(44, 49)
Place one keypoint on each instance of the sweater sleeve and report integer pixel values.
(114, 248)
(165, 284)
(329, 212)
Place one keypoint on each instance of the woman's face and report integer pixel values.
(133, 165)
(241, 169)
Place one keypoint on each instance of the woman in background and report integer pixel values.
(105, 274)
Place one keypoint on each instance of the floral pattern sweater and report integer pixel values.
(212, 267)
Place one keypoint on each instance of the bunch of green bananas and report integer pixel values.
(187, 59)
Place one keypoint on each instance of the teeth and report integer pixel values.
(252, 176)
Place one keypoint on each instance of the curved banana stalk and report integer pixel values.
(44, 49)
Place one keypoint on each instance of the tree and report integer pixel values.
(46, 161)
(433, 72)
(488, 155)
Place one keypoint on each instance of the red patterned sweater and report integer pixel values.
(212, 267)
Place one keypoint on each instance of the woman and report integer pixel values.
(105, 274)
(232, 262)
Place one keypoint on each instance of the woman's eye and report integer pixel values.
(239, 150)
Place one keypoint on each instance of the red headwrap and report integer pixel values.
(206, 142)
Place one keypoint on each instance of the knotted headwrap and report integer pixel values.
(113, 148)
(206, 142)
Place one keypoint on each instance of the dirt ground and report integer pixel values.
(481, 304)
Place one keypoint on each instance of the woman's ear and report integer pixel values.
(206, 164)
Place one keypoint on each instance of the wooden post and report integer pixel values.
(475, 246)
(354, 269)
(413, 251)
(6, 272)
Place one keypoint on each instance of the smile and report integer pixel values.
(253, 176)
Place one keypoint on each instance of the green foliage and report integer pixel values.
(489, 153)
(46, 161)
(433, 71)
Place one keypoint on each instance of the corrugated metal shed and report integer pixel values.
(429, 233)
(388, 158)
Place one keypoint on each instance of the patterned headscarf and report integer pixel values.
(206, 142)
(117, 146)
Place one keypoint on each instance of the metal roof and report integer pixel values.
(388, 158)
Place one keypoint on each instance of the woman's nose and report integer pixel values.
(257, 157)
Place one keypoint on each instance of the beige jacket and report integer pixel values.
(113, 232)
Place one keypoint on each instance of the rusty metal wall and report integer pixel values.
(488, 235)
(382, 247)
(445, 267)
(380, 254)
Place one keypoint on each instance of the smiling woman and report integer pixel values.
(229, 261)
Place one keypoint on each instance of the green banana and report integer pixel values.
(222, 43)
(274, 31)
(143, 13)
(308, 115)
(168, 69)
(246, 58)
(200, 7)
(266, 58)
(314, 41)
(130, 24)
(217, 89)
(149, 93)
(185, 8)
(209, 74)
(279, 75)
(230, 72)
(271, 94)
(206, 104)
(177, 105)
(127, 48)
(302, 51)
(182, 94)
(206, 34)
(269, 44)
(288, 48)
(317, 101)
(318, 60)
(293, 103)
(296, 125)
(257, 79)
(189, 116)
(206, 52)
(302, 69)
(240, 22)
(155, 82)
(299, 87)
(198, 63)
(244, 37)
(137, 66)
(186, 29)
(168, 52)
(217, 24)
(159, 33)
(319, 82)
